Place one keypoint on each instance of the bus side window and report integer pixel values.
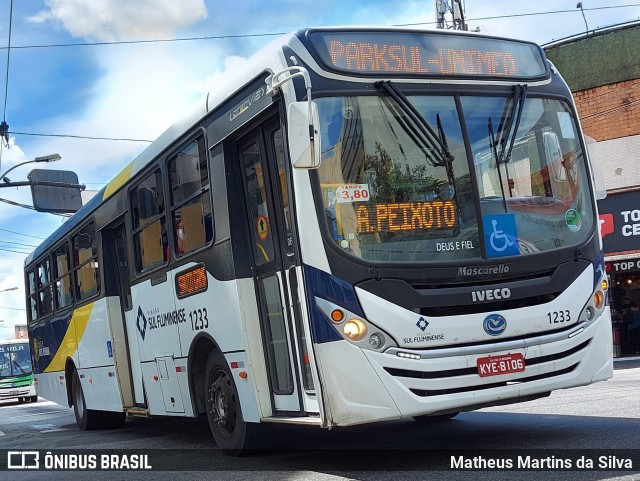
(85, 252)
(190, 201)
(149, 223)
(62, 276)
(45, 295)
(33, 305)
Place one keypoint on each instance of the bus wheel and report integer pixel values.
(33, 399)
(113, 420)
(223, 406)
(438, 418)
(86, 418)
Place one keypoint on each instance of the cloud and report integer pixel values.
(11, 154)
(108, 20)
(142, 90)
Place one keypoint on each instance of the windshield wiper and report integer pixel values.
(436, 144)
(432, 139)
(15, 363)
(508, 133)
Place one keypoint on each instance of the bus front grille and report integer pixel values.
(425, 383)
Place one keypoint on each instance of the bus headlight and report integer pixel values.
(376, 341)
(355, 329)
(596, 303)
(589, 313)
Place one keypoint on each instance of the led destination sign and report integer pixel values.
(407, 216)
(435, 54)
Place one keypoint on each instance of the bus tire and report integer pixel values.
(33, 399)
(438, 418)
(231, 434)
(113, 420)
(86, 419)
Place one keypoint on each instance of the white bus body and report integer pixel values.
(467, 274)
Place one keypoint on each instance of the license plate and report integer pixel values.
(496, 365)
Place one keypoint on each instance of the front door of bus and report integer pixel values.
(261, 158)
(125, 346)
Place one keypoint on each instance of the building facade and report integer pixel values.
(602, 68)
(20, 332)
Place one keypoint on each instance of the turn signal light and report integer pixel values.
(337, 315)
(191, 282)
(598, 299)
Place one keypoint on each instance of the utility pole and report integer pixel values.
(442, 7)
(455, 8)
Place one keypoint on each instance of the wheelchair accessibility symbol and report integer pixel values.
(501, 236)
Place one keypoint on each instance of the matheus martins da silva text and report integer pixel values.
(546, 462)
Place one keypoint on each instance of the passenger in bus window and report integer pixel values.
(165, 247)
(179, 232)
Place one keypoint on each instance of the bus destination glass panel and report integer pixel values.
(428, 54)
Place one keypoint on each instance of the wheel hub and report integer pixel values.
(220, 402)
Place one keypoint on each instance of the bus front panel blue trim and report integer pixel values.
(326, 286)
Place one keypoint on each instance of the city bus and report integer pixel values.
(360, 225)
(16, 375)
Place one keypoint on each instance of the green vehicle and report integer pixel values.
(16, 374)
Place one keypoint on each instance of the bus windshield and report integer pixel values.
(392, 193)
(15, 360)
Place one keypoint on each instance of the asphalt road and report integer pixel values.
(598, 420)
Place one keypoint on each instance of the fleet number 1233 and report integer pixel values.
(199, 319)
(557, 317)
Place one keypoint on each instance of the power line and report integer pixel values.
(515, 15)
(5, 256)
(18, 244)
(17, 204)
(79, 137)
(12, 308)
(30, 207)
(15, 251)
(159, 40)
(19, 233)
(6, 86)
(4, 127)
(213, 37)
(271, 34)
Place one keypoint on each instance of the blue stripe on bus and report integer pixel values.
(326, 286)
(598, 269)
(46, 338)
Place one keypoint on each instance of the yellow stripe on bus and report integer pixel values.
(118, 181)
(69, 344)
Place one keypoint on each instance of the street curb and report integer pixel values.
(626, 362)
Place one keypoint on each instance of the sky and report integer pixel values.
(137, 90)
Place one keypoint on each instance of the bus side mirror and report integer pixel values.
(304, 135)
(553, 154)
